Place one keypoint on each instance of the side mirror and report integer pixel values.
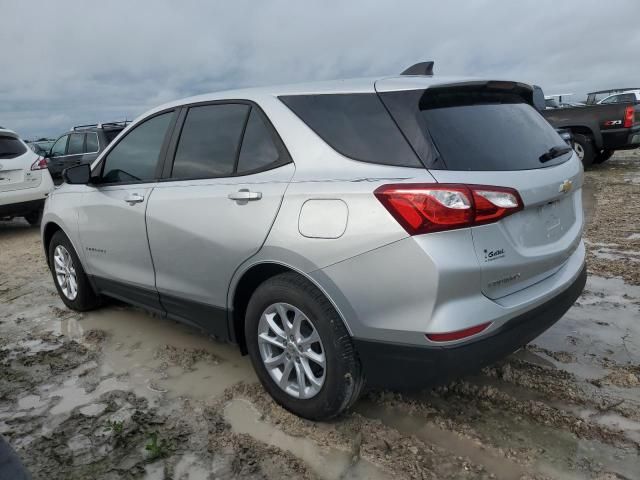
(77, 175)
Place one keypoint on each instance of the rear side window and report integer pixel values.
(135, 157)
(356, 125)
(477, 129)
(11, 147)
(259, 149)
(76, 144)
(209, 142)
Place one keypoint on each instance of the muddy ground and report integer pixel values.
(120, 394)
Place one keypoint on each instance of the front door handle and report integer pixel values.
(134, 198)
(245, 195)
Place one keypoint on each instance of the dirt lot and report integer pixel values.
(118, 393)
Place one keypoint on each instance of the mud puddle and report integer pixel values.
(159, 356)
(328, 464)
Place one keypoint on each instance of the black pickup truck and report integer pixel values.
(598, 130)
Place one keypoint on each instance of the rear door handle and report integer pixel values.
(134, 198)
(245, 195)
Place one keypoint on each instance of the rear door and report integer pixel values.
(489, 135)
(224, 186)
(111, 215)
(15, 164)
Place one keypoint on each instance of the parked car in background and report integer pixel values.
(623, 97)
(595, 98)
(41, 147)
(599, 129)
(80, 145)
(25, 181)
(396, 232)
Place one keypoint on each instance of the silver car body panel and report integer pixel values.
(195, 243)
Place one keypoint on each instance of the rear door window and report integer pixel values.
(76, 144)
(92, 143)
(210, 141)
(477, 129)
(356, 125)
(11, 147)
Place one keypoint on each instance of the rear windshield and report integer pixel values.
(356, 125)
(466, 129)
(11, 147)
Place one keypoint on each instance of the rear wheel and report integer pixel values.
(584, 149)
(603, 156)
(68, 275)
(300, 348)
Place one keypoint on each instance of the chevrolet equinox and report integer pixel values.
(392, 232)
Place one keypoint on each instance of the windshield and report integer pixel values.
(477, 129)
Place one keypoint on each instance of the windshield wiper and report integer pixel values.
(555, 152)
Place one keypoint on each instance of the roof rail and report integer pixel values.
(422, 68)
(122, 123)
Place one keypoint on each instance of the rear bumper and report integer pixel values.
(401, 366)
(621, 138)
(20, 209)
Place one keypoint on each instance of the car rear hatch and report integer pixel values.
(15, 162)
(487, 133)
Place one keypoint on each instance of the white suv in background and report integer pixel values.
(623, 97)
(25, 181)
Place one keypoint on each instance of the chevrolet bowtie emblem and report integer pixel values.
(566, 186)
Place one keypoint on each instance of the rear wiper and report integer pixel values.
(555, 152)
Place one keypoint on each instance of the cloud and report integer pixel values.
(73, 62)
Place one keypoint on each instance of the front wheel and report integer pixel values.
(300, 348)
(69, 277)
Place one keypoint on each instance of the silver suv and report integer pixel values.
(393, 232)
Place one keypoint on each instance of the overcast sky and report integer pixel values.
(71, 62)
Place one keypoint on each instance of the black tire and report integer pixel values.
(86, 298)
(343, 380)
(603, 156)
(586, 144)
(34, 218)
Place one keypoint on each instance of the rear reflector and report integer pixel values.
(629, 114)
(425, 208)
(39, 164)
(457, 335)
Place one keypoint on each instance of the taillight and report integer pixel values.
(425, 208)
(39, 164)
(629, 114)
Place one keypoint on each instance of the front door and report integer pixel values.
(230, 172)
(112, 217)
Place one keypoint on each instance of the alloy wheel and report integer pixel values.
(65, 272)
(579, 151)
(291, 350)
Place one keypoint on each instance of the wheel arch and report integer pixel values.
(247, 283)
(48, 231)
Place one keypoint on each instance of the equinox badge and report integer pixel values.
(566, 186)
